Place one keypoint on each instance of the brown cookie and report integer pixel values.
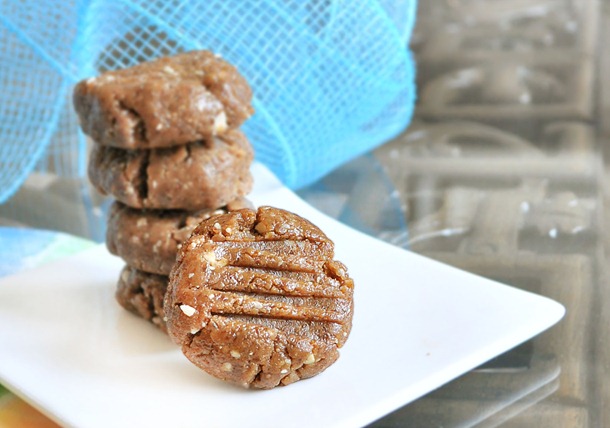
(142, 294)
(149, 239)
(205, 174)
(256, 299)
(166, 102)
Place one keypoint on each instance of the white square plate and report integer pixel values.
(69, 349)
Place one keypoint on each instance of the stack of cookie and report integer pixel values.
(169, 150)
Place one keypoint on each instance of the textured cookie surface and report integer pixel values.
(256, 299)
(169, 101)
(149, 239)
(142, 293)
(205, 174)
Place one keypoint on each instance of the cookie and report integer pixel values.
(142, 293)
(149, 240)
(256, 299)
(166, 102)
(203, 174)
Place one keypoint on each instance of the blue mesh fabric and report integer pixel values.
(332, 79)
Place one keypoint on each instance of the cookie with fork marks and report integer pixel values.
(256, 298)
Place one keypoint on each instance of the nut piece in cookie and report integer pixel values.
(256, 299)
(165, 102)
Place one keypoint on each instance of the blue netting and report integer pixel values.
(332, 79)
